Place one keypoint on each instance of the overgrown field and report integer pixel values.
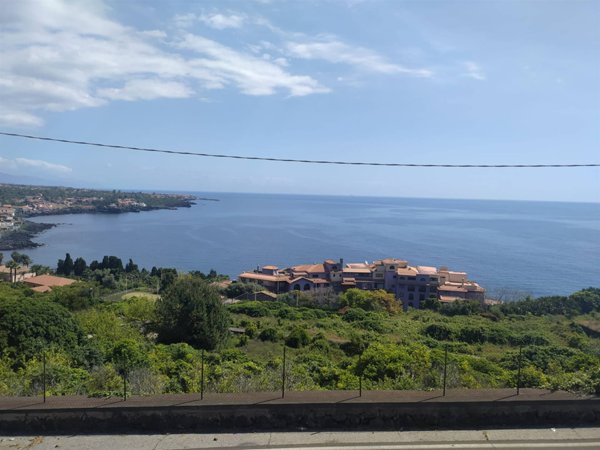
(90, 344)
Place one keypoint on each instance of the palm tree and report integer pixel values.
(16, 257)
(13, 267)
(26, 260)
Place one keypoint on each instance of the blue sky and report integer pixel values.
(396, 81)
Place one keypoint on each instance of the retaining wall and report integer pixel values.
(307, 416)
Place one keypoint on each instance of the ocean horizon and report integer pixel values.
(534, 247)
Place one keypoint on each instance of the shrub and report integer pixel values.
(268, 334)
(251, 308)
(439, 331)
(297, 338)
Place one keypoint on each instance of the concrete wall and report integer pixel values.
(290, 417)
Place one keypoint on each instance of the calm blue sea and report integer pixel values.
(536, 247)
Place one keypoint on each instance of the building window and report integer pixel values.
(296, 287)
(307, 287)
(392, 267)
(421, 297)
(422, 288)
(411, 288)
(411, 296)
(423, 279)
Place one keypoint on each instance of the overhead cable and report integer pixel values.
(291, 160)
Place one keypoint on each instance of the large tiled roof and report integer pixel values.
(262, 276)
(408, 271)
(426, 270)
(49, 280)
(451, 288)
(309, 268)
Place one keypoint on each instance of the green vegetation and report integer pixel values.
(94, 332)
(191, 311)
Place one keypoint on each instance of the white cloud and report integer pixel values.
(473, 70)
(335, 51)
(159, 34)
(24, 163)
(222, 21)
(221, 66)
(60, 56)
(150, 89)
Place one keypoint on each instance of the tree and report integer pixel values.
(131, 267)
(26, 260)
(191, 311)
(13, 266)
(16, 257)
(65, 267)
(240, 289)
(369, 300)
(79, 267)
(29, 325)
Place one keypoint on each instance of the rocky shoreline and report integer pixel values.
(21, 238)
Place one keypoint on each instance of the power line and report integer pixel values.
(289, 160)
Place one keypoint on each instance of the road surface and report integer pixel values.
(543, 438)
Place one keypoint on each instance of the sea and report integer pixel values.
(534, 248)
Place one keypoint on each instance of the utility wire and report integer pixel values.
(304, 161)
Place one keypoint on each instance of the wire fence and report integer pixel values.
(281, 375)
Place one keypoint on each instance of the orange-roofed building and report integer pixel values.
(45, 283)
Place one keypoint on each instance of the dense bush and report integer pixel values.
(581, 302)
(191, 311)
(268, 334)
(29, 326)
(297, 338)
(252, 309)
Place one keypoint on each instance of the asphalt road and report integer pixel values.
(543, 438)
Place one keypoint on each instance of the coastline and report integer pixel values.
(22, 237)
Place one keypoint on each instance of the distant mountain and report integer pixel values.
(24, 179)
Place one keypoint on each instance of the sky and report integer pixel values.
(434, 82)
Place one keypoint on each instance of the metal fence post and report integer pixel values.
(519, 369)
(202, 377)
(445, 368)
(44, 374)
(124, 384)
(359, 376)
(283, 375)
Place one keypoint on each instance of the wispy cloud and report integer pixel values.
(59, 56)
(252, 75)
(40, 165)
(221, 21)
(147, 89)
(336, 51)
(473, 70)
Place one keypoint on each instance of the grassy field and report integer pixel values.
(142, 294)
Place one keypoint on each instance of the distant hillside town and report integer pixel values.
(7, 217)
(411, 285)
(18, 202)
